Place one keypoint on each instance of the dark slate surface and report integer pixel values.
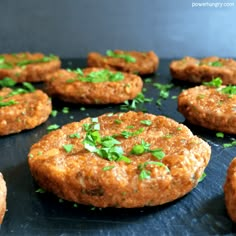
(201, 212)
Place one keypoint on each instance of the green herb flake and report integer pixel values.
(28, 86)
(54, 113)
(163, 91)
(220, 135)
(53, 127)
(40, 190)
(148, 80)
(7, 82)
(146, 122)
(103, 75)
(127, 134)
(145, 174)
(217, 82)
(117, 121)
(215, 64)
(7, 103)
(124, 56)
(82, 108)
(228, 145)
(75, 135)
(68, 147)
(65, 110)
(203, 176)
(106, 168)
(138, 149)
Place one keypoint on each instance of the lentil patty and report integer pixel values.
(3, 195)
(198, 71)
(209, 107)
(72, 86)
(81, 175)
(144, 62)
(230, 190)
(24, 111)
(29, 67)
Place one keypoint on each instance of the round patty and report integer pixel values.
(197, 71)
(93, 86)
(22, 111)
(230, 190)
(209, 107)
(3, 195)
(29, 67)
(128, 160)
(141, 63)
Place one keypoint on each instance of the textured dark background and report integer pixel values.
(72, 28)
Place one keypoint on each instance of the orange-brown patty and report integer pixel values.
(209, 107)
(93, 86)
(197, 71)
(128, 160)
(230, 190)
(141, 63)
(22, 111)
(3, 195)
(30, 67)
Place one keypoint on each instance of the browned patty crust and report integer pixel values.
(3, 195)
(230, 190)
(209, 108)
(143, 63)
(69, 86)
(197, 71)
(61, 163)
(23, 111)
(29, 67)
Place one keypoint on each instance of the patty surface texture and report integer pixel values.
(28, 67)
(127, 160)
(141, 63)
(93, 86)
(230, 190)
(197, 71)
(3, 195)
(22, 111)
(209, 107)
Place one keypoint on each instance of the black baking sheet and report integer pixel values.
(201, 212)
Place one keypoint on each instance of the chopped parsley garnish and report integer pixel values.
(68, 147)
(75, 135)
(164, 91)
(99, 76)
(214, 83)
(217, 82)
(106, 147)
(215, 64)
(220, 135)
(230, 89)
(52, 127)
(146, 122)
(143, 147)
(232, 144)
(7, 82)
(28, 86)
(134, 105)
(54, 113)
(124, 56)
(148, 80)
(203, 176)
(127, 134)
(7, 103)
(65, 110)
(146, 174)
(43, 59)
(106, 168)
(82, 108)
(117, 121)
(40, 190)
